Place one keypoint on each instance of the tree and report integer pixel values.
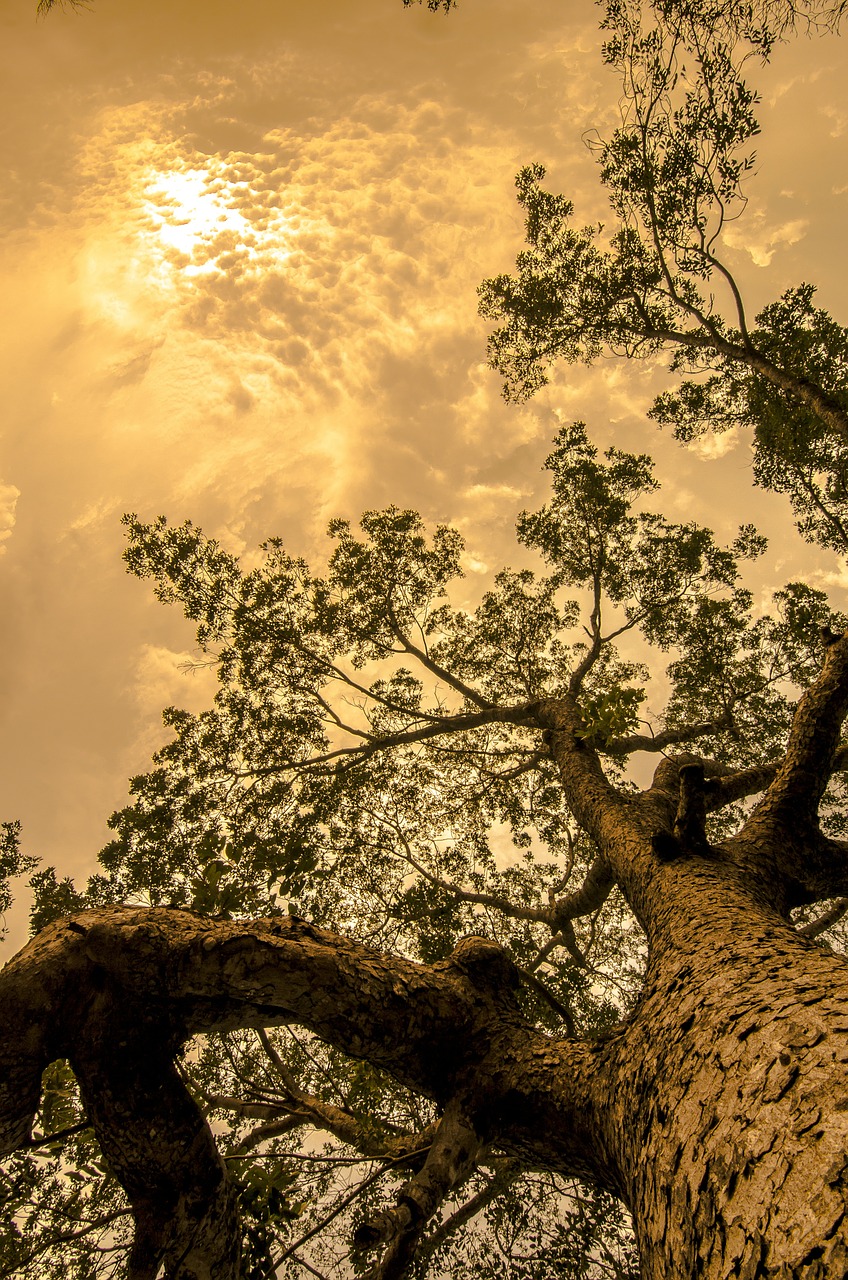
(536, 989)
(656, 280)
(494, 1005)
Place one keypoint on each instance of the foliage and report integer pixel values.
(795, 452)
(367, 763)
(12, 863)
(674, 172)
(60, 1208)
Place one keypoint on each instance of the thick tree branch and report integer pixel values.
(832, 916)
(727, 784)
(618, 827)
(786, 819)
(828, 410)
(733, 786)
(590, 897)
(690, 819)
(117, 990)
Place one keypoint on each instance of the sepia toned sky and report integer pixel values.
(240, 244)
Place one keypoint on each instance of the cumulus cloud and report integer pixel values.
(9, 495)
(760, 238)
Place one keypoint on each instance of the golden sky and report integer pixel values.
(240, 248)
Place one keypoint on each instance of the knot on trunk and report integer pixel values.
(688, 834)
(485, 962)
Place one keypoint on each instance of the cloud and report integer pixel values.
(715, 445)
(134, 367)
(9, 495)
(93, 516)
(305, 309)
(760, 240)
(164, 677)
(240, 261)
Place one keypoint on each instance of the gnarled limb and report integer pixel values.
(117, 990)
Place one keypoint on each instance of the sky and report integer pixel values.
(239, 251)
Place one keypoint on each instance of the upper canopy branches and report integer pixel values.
(376, 753)
(658, 279)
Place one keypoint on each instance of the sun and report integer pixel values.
(195, 218)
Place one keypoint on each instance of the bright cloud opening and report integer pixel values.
(195, 214)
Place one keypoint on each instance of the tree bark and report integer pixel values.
(731, 1110)
(718, 1111)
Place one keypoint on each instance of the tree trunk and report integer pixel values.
(729, 1121)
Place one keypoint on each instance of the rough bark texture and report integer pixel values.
(718, 1111)
(734, 1113)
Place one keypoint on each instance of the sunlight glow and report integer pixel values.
(195, 219)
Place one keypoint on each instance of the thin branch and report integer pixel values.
(541, 915)
(299, 1108)
(349, 757)
(265, 1132)
(539, 987)
(666, 738)
(434, 667)
(542, 954)
(63, 1237)
(343, 1204)
(830, 917)
(308, 1157)
(280, 1066)
(589, 659)
(32, 1143)
(503, 1178)
(307, 1266)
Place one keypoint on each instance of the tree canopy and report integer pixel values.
(656, 279)
(398, 918)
